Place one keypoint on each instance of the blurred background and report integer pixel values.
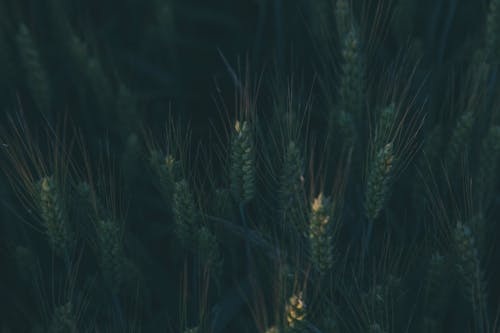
(178, 55)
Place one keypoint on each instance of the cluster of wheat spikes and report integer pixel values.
(357, 205)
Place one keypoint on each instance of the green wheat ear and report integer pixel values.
(242, 175)
(435, 293)
(167, 169)
(347, 128)
(378, 298)
(52, 211)
(493, 32)
(111, 253)
(376, 328)
(37, 78)
(488, 162)
(320, 234)
(460, 137)
(342, 17)
(78, 51)
(63, 320)
(385, 126)
(185, 213)
(379, 181)
(469, 266)
(208, 249)
(90, 68)
(352, 83)
(291, 178)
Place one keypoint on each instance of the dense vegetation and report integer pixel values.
(249, 166)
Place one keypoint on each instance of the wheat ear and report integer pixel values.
(352, 84)
(38, 81)
(493, 32)
(64, 320)
(185, 215)
(469, 268)
(460, 137)
(243, 171)
(296, 312)
(111, 252)
(379, 181)
(320, 237)
(53, 213)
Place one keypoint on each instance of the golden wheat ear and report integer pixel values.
(296, 312)
(320, 234)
